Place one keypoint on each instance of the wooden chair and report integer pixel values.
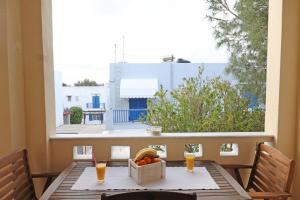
(271, 175)
(16, 179)
(150, 195)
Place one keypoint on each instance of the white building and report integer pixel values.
(59, 108)
(92, 100)
(132, 84)
(85, 97)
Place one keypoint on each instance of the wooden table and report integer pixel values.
(229, 188)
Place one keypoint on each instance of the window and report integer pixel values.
(69, 98)
(77, 98)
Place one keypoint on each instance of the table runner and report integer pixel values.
(116, 178)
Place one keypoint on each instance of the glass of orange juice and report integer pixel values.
(100, 169)
(190, 161)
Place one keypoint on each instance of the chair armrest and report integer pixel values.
(50, 176)
(269, 195)
(239, 166)
(45, 175)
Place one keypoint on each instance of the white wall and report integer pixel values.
(58, 99)
(84, 94)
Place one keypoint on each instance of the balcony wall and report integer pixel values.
(62, 145)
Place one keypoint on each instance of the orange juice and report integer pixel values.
(190, 159)
(100, 169)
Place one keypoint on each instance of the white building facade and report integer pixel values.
(92, 100)
(132, 84)
(59, 108)
(83, 96)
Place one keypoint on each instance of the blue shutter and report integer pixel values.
(90, 117)
(96, 102)
(137, 103)
(143, 103)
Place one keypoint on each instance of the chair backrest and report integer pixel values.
(150, 195)
(272, 171)
(15, 178)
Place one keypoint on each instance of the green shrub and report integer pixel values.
(76, 115)
(204, 105)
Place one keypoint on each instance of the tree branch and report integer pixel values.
(216, 18)
(225, 5)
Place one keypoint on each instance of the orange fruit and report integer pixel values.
(152, 160)
(147, 159)
(155, 160)
(142, 162)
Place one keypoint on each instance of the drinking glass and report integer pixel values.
(100, 169)
(190, 160)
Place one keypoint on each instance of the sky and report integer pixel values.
(85, 33)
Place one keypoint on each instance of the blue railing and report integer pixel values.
(131, 115)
